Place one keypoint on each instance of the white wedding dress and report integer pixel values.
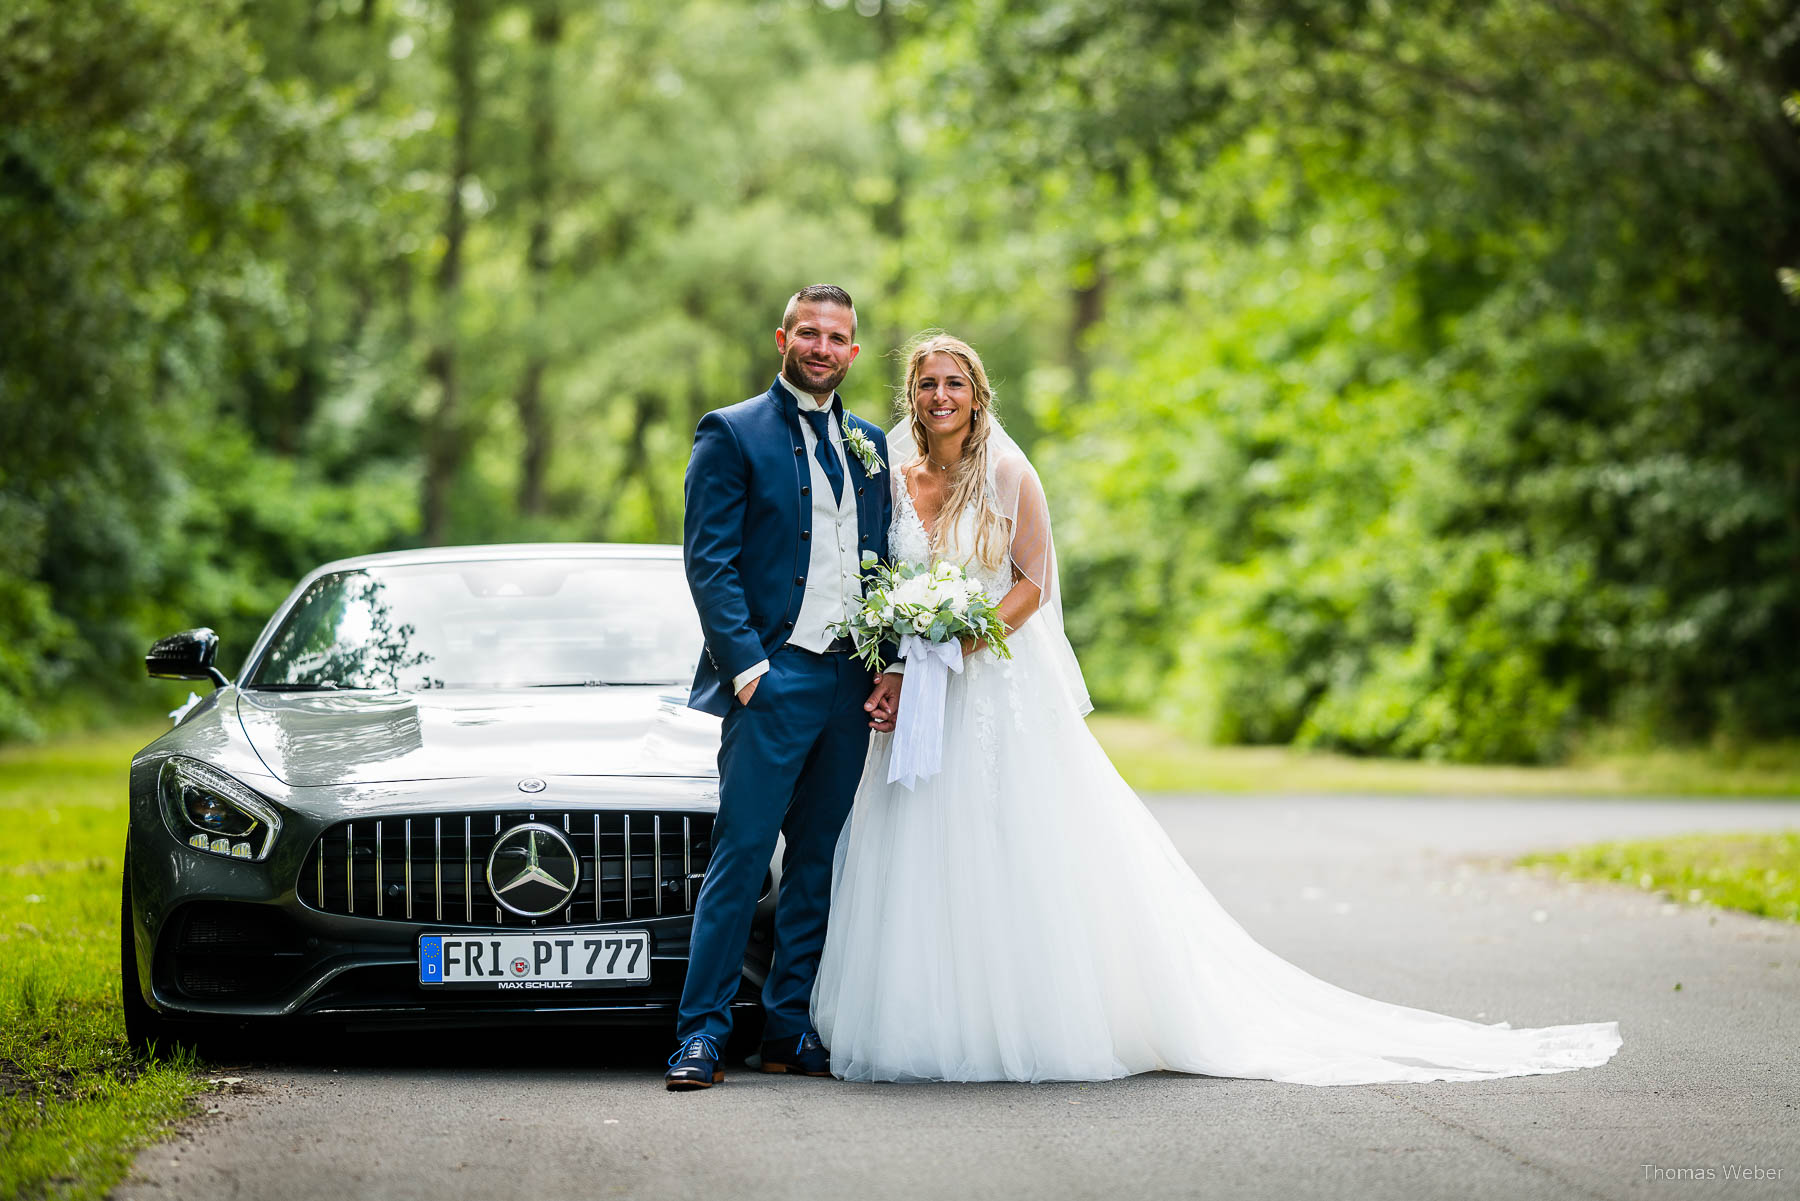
(1022, 916)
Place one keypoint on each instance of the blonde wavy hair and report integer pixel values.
(969, 481)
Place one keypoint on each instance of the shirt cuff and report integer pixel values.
(896, 668)
(748, 674)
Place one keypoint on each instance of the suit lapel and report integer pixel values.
(867, 507)
(783, 401)
(852, 462)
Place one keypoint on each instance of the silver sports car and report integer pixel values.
(453, 786)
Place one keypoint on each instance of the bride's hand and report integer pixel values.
(970, 644)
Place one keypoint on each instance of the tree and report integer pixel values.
(1482, 381)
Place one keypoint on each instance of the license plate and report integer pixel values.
(552, 960)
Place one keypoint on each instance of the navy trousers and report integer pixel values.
(789, 763)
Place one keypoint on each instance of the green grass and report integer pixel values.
(1155, 758)
(75, 1104)
(1758, 873)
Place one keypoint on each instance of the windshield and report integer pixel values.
(498, 624)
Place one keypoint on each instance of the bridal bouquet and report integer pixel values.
(938, 605)
(927, 612)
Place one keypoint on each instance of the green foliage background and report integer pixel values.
(1407, 379)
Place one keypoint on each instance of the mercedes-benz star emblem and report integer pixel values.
(531, 785)
(533, 870)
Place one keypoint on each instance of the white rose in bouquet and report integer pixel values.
(961, 593)
(916, 590)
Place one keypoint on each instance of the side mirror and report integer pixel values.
(186, 656)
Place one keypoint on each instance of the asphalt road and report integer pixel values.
(1398, 899)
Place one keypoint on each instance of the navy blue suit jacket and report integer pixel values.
(746, 536)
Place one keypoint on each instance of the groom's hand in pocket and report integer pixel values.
(884, 702)
(748, 691)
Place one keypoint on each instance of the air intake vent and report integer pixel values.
(233, 949)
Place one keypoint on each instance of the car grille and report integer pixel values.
(432, 867)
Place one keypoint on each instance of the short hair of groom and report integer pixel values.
(819, 294)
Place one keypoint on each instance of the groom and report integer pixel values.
(781, 507)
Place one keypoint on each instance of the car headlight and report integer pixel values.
(212, 812)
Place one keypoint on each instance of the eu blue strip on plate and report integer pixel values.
(431, 959)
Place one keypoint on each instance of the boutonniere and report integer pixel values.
(864, 448)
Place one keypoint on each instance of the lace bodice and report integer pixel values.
(908, 542)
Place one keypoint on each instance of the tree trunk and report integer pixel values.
(443, 432)
(1087, 309)
(635, 467)
(546, 31)
(889, 217)
(645, 412)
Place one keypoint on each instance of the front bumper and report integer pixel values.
(223, 939)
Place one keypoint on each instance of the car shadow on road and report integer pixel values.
(522, 1046)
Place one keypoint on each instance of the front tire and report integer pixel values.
(147, 1032)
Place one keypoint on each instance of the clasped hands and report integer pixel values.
(884, 702)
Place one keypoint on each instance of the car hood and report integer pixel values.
(321, 739)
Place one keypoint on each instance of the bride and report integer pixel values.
(1021, 915)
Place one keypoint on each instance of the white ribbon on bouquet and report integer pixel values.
(918, 750)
